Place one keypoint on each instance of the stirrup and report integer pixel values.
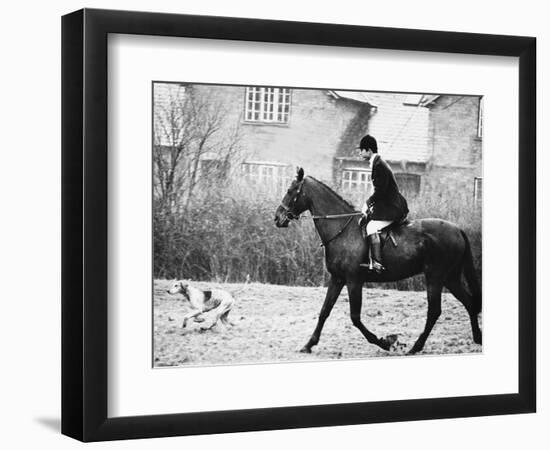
(373, 266)
(377, 267)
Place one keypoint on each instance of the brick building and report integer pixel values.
(455, 143)
(430, 141)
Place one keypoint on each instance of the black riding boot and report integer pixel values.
(375, 253)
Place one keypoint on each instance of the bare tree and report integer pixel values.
(190, 128)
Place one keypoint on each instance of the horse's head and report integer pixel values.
(294, 202)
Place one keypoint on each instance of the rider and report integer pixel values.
(384, 206)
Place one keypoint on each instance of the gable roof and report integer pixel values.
(428, 99)
(358, 96)
(399, 122)
(401, 128)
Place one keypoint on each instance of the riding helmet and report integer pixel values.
(369, 143)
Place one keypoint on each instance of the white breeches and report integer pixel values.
(375, 225)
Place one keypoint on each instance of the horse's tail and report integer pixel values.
(470, 274)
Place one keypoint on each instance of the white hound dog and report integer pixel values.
(203, 301)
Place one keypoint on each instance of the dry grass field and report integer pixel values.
(271, 324)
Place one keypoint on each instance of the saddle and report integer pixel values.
(386, 233)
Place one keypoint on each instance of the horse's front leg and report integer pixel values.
(355, 290)
(334, 288)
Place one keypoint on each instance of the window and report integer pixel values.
(213, 168)
(356, 180)
(408, 183)
(478, 191)
(271, 105)
(270, 175)
(480, 118)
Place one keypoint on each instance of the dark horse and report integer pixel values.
(435, 247)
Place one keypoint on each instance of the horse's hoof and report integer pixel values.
(477, 339)
(387, 342)
(391, 339)
(384, 345)
(305, 350)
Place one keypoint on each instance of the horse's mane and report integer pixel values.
(338, 196)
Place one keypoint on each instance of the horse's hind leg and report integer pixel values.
(457, 289)
(434, 288)
(355, 290)
(334, 288)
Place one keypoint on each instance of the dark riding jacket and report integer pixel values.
(386, 202)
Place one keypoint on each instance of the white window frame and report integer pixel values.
(361, 182)
(480, 118)
(478, 188)
(267, 174)
(205, 162)
(267, 104)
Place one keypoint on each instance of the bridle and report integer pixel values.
(291, 216)
(288, 213)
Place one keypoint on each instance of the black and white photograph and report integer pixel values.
(293, 224)
(275, 225)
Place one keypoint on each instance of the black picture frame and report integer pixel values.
(84, 224)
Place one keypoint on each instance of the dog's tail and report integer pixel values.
(247, 281)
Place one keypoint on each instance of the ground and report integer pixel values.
(272, 323)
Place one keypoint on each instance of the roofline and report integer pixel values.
(267, 163)
(392, 160)
(430, 101)
(335, 94)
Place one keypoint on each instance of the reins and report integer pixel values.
(336, 216)
(291, 215)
